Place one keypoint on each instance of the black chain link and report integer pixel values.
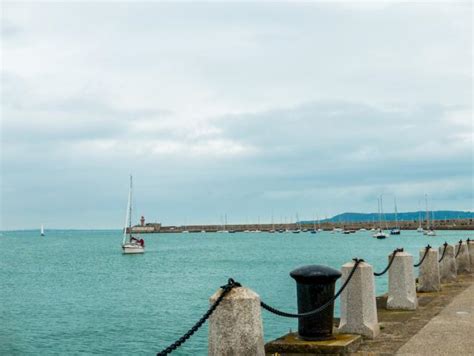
(322, 307)
(389, 263)
(444, 251)
(459, 249)
(225, 289)
(427, 248)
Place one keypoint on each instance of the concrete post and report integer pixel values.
(462, 261)
(447, 267)
(428, 276)
(358, 304)
(401, 283)
(470, 248)
(235, 327)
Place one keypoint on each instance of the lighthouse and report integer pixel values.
(142, 221)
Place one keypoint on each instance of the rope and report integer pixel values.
(389, 263)
(225, 289)
(459, 249)
(322, 307)
(423, 258)
(444, 251)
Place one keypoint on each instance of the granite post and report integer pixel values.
(447, 266)
(358, 304)
(235, 327)
(462, 261)
(470, 248)
(401, 283)
(428, 276)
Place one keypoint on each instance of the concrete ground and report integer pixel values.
(443, 324)
(451, 332)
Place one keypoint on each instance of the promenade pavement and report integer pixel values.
(451, 332)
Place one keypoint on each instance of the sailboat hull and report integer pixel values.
(132, 248)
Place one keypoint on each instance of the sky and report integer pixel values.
(244, 109)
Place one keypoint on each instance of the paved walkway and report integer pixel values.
(449, 333)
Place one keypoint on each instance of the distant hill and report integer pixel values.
(409, 216)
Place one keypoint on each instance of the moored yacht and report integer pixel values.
(130, 243)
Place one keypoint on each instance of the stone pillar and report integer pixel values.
(428, 276)
(447, 267)
(470, 249)
(462, 261)
(401, 283)
(358, 304)
(235, 327)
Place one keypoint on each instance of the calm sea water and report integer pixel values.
(73, 292)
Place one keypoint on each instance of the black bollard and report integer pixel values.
(315, 285)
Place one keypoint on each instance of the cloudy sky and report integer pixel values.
(244, 109)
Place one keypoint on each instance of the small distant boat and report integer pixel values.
(131, 244)
(362, 229)
(429, 230)
(380, 234)
(42, 231)
(203, 231)
(396, 229)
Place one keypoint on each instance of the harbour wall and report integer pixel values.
(454, 224)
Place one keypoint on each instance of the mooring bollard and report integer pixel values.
(447, 265)
(470, 250)
(358, 304)
(428, 277)
(315, 286)
(463, 263)
(235, 327)
(401, 283)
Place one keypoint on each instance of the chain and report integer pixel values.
(389, 263)
(427, 248)
(322, 307)
(225, 289)
(444, 251)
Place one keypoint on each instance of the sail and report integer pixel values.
(42, 230)
(128, 214)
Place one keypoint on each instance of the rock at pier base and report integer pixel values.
(291, 344)
(401, 283)
(358, 305)
(428, 277)
(235, 327)
(447, 267)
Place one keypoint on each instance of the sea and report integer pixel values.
(72, 292)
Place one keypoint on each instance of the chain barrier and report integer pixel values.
(444, 251)
(459, 249)
(225, 289)
(427, 248)
(389, 263)
(319, 309)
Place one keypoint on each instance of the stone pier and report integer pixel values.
(462, 261)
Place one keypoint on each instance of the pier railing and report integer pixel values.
(235, 314)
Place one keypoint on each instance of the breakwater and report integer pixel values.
(454, 224)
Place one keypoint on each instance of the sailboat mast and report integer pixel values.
(427, 213)
(396, 212)
(128, 214)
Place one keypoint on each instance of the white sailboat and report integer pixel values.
(131, 244)
(42, 230)
(380, 234)
(429, 231)
(396, 229)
